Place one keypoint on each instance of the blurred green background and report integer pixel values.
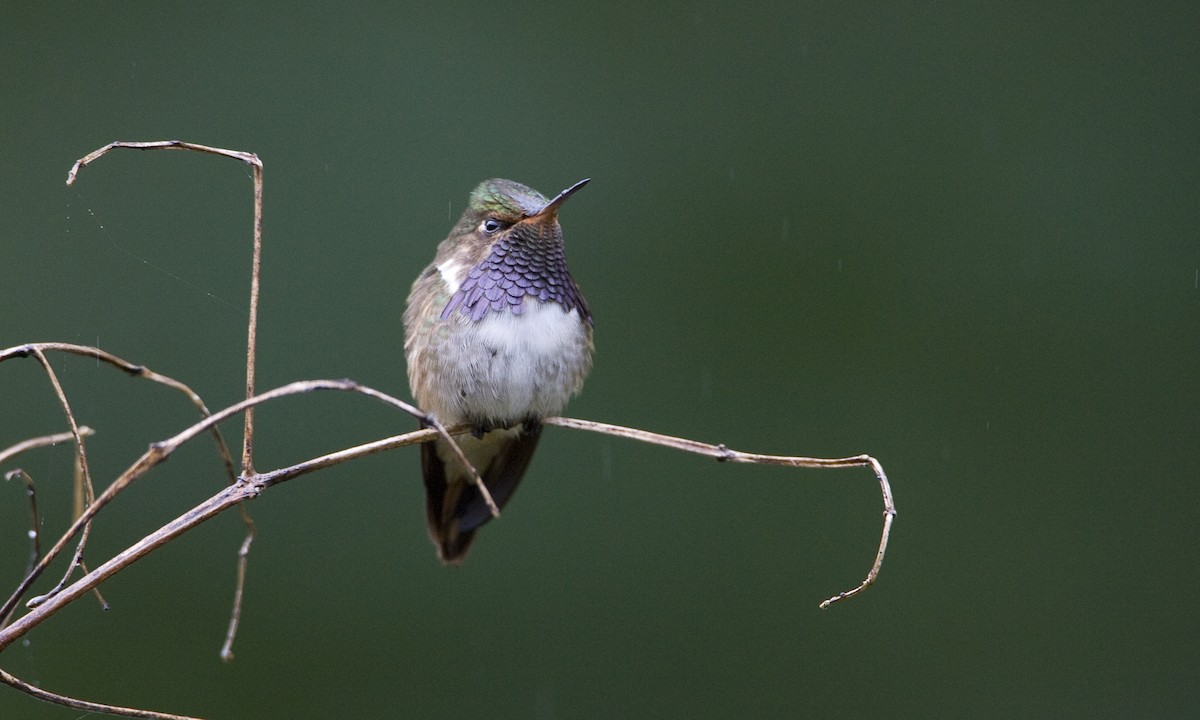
(961, 238)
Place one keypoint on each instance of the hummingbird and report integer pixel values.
(497, 335)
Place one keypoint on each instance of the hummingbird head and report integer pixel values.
(507, 245)
(502, 208)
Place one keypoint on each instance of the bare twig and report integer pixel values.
(252, 326)
(35, 533)
(91, 157)
(245, 489)
(38, 350)
(250, 487)
(39, 693)
(84, 476)
(77, 510)
(35, 543)
(235, 614)
(45, 440)
(78, 494)
(160, 451)
(256, 164)
(141, 371)
(95, 591)
(256, 264)
(724, 454)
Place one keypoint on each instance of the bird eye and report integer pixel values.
(491, 226)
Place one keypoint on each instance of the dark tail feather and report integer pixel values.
(455, 508)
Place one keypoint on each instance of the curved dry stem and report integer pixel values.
(81, 163)
(92, 707)
(35, 543)
(724, 454)
(252, 325)
(248, 488)
(44, 441)
(252, 332)
(251, 486)
(38, 351)
(160, 451)
(141, 371)
(34, 532)
(83, 476)
(235, 614)
(256, 166)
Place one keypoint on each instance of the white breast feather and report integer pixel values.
(534, 359)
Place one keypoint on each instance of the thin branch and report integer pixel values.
(84, 477)
(37, 692)
(724, 454)
(250, 487)
(81, 163)
(160, 451)
(141, 371)
(35, 520)
(45, 440)
(38, 350)
(235, 614)
(256, 264)
(35, 543)
(252, 327)
(256, 164)
(96, 590)
(228, 497)
(77, 510)
(77, 486)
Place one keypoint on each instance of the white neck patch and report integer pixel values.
(452, 272)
